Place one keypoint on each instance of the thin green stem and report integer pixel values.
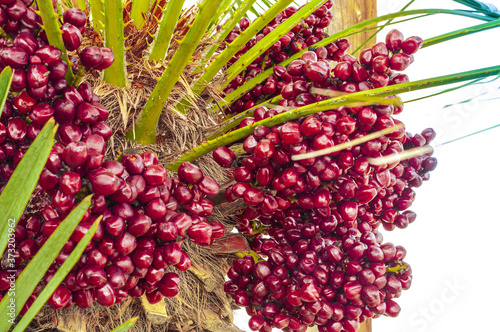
(461, 33)
(468, 135)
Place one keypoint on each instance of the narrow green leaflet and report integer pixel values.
(97, 11)
(61, 273)
(139, 10)
(468, 135)
(161, 42)
(51, 26)
(114, 39)
(485, 8)
(5, 80)
(144, 131)
(357, 97)
(461, 32)
(270, 39)
(222, 59)
(36, 268)
(126, 326)
(16, 194)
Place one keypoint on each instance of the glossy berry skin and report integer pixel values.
(70, 183)
(105, 184)
(72, 36)
(76, 17)
(189, 173)
(105, 295)
(91, 57)
(75, 154)
(223, 156)
(59, 298)
(107, 58)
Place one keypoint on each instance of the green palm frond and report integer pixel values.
(486, 9)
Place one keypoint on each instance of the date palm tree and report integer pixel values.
(177, 77)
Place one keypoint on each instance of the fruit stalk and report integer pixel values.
(114, 39)
(168, 22)
(222, 59)
(145, 128)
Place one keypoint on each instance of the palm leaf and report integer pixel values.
(126, 326)
(5, 80)
(485, 8)
(97, 11)
(64, 269)
(139, 10)
(18, 190)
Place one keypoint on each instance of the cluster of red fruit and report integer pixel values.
(305, 34)
(40, 90)
(324, 266)
(146, 214)
(321, 278)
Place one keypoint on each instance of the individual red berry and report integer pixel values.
(75, 154)
(224, 156)
(91, 57)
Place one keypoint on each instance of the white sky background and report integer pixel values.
(453, 244)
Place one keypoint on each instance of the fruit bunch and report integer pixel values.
(321, 278)
(146, 214)
(306, 33)
(146, 217)
(333, 202)
(267, 178)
